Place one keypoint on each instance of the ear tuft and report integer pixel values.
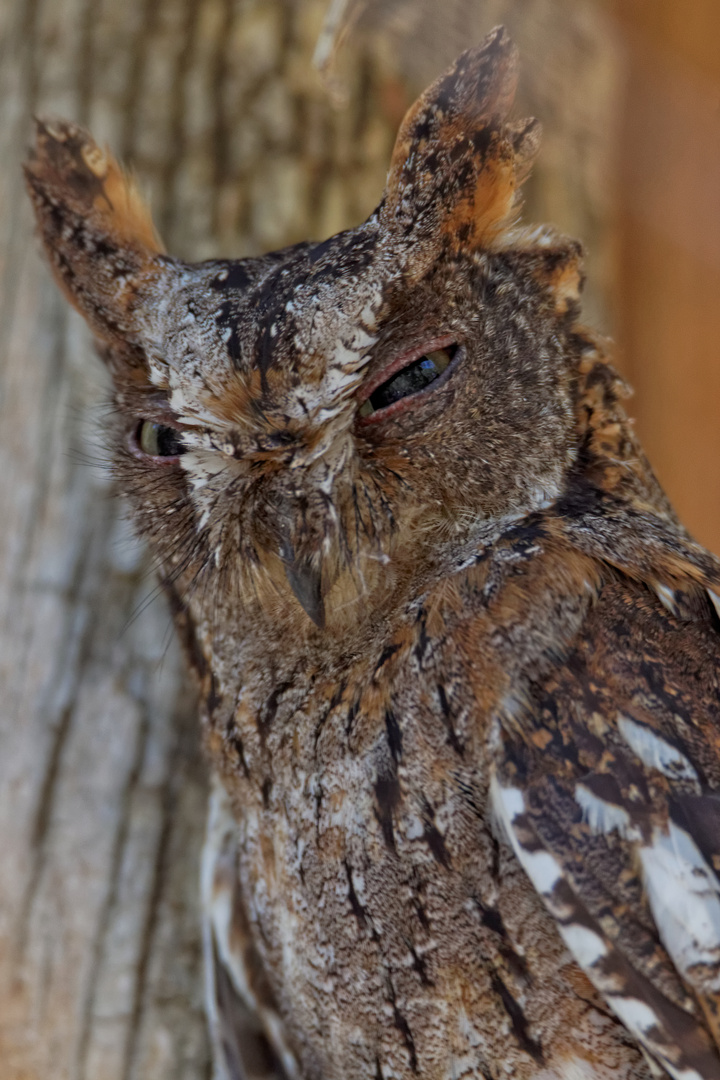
(96, 229)
(457, 165)
(67, 166)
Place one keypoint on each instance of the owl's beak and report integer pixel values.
(305, 579)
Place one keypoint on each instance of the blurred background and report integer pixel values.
(252, 124)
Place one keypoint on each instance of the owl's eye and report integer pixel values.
(409, 380)
(157, 441)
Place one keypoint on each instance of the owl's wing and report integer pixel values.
(246, 1031)
(607, 784)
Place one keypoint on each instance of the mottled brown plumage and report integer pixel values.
(458, 658)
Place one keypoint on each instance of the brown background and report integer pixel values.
(668, 272)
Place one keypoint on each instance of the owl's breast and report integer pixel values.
(397, 933)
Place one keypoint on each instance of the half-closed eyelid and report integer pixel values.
(402, 360)
(406, 380)
(152, 406)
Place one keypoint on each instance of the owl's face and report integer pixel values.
(333, 418)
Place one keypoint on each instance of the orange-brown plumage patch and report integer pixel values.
(233, 403)
(83, 178)
(456, 166)
(96, 228)
(556, 265)
(480, 212)
(561, 566)
(121, 202)
(566, 284)
(478, 89)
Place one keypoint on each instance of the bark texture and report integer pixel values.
(102, 791)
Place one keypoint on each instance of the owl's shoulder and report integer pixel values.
(605, 776)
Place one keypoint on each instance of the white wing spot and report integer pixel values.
(654, 751)
(586, 946)
(544, 871)
(541, 867)
(635, 1014)
(640, 1019)
(715, 600)
(666, 596)
(601, 816)
(684, 896)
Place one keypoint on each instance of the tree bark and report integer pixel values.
(102, 791)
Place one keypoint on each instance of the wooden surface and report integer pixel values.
(668, 286)
(102, 790)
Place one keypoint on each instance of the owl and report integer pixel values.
(458, 659)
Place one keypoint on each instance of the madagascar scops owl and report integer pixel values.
(458, 658)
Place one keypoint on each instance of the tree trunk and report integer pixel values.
(102, 793)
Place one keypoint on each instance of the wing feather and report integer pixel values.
(246, 1030)
(616, 821)
(671, 1036)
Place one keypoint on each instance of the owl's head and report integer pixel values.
(328, 423)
